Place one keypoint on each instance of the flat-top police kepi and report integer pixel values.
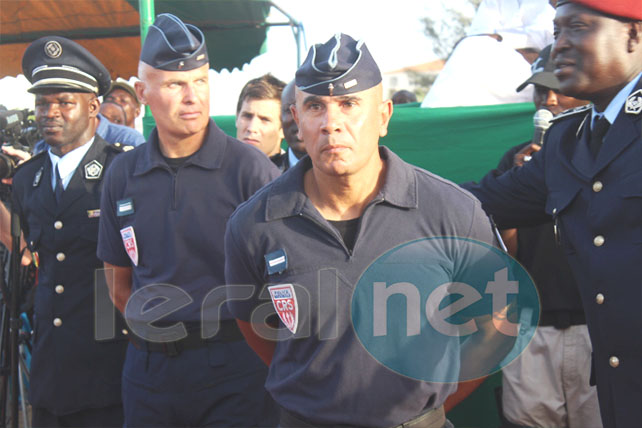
(54, 62)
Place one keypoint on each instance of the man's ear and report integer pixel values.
(93, 106)
(139, 86)
(635, 35)
(385, 109)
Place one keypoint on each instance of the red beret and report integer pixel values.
(624, 8)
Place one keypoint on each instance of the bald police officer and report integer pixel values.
(164, 209)
(75, 377)
(587, 176)
(337, 210)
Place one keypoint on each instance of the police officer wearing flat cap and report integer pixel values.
(338, 210)
(587, 177)
(164, 211)
(75, 369)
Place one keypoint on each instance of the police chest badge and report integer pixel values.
(634, 103)
(93, 170)
(284, 301)
(129, 240)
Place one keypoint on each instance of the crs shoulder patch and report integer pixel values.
(286, 306)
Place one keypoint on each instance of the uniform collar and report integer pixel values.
(68, 163)
(287, 198)
(292, 159)
(209, 156)
(615, 106)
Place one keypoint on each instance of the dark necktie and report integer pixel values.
(600, 127)
(59, 187)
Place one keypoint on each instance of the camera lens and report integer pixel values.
(7, 166)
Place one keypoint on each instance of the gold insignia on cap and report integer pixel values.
(634, 103)
(53, 49)
(181, 64)
(200, 57)
(93, 170)
(331, 89)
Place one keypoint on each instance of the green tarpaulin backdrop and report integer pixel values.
(459, 143)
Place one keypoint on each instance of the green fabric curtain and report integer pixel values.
(458, 143)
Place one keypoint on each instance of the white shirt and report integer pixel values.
(68, 163)
(292, 159)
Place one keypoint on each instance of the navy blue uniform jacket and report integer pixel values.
(597, 205)
(70, 370)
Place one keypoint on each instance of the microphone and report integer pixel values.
(541, 121)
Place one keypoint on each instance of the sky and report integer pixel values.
(391, 29)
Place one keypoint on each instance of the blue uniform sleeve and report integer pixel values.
(110, 245)
(517, 197)
(243, 281)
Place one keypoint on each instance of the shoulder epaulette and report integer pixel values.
(33, 158)
(572, 112)
(122, 147)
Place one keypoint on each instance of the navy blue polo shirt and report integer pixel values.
(322, 373)
(169, 227)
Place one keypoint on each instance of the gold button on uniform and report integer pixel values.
(597, 186)
(125, 332)
(599, 299)
(58, 225)
(57, 322)
(614, 361)
(598, 241)
(60, 257)
(59, 289)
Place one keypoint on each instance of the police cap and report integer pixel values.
(173, 45)
(340, 66)
(59, 63)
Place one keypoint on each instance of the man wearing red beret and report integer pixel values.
(588, 177)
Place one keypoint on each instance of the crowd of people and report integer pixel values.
(228, 265)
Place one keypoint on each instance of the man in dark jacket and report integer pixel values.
(75, 374)
(587, 177)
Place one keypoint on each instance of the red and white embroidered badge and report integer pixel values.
(284, 301)
(129, 239)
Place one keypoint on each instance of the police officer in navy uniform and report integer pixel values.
(587, 177)
(335, 212)
(75, 370)
(164, 211)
